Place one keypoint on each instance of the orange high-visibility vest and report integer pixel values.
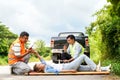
(11, 56)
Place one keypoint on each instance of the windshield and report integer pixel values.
(75, 34)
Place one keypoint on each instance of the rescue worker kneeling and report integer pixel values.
(18, 55)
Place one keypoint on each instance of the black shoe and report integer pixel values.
(12, 71)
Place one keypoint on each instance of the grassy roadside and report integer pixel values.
(35, 59)
(115, 68)
(4, 60)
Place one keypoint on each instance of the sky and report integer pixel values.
(43, 19)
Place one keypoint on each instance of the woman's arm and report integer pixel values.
(40, 58)
(38, 55)
(68, 71)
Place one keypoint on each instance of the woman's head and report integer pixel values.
(39, 67)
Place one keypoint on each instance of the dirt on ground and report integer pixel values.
(111, 77)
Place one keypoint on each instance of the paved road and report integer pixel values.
(66, 77)
(5, 75)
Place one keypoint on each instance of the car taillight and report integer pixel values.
(86, 42)
(52, 43)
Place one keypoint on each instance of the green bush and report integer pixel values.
(3, 60)
(104, 35)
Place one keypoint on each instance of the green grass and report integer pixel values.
(33, 59)
(115, 65)
(3, 60)
(115, 68)
(115, 62)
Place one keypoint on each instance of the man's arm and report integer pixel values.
(17, 51)
(70, 60)
(27, 52)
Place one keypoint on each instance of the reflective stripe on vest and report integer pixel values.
(11, 56)
(72, 48)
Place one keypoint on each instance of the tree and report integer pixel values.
(41, 49)
(104, 35)
(108, 25)
(6, 38)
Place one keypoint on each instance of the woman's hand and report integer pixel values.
(29, 51)
(34, 52)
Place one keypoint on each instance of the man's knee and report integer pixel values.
(20, 68)
(83, 55)
(19, 71)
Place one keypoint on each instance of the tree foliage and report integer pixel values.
(104, 34)
(42, 49)
(108, 25)
(6, 38)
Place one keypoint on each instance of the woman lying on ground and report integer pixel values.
(69, 67)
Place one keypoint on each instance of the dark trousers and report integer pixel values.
(65, 56)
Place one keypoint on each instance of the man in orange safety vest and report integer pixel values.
(18, 55)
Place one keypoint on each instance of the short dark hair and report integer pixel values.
(24, 33)
(36, 69)
(71, 37)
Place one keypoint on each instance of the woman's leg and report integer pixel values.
(106, 68)
(84, 68)
(88, 68)
(77, 62)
